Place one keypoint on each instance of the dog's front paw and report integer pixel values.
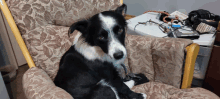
(130, 83)
(144, 95)
(138, 96)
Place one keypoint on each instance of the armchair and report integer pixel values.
(40, 28)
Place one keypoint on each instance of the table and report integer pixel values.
(205, 41)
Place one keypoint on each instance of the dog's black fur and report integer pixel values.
(94, 79)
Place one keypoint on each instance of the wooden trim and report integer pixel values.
(16, 33)
(121, 1)
(218, 28)
(127, 17)
(192, 52)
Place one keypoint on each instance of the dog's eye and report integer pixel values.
(120, 30)
(101, 38)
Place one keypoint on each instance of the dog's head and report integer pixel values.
(104, 33)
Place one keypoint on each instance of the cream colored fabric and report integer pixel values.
(160, 59)
(156, 90)
(30, 14)
(38, 85)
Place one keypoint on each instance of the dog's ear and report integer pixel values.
(122, 9)
(80, 26)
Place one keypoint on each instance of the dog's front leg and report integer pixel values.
(122, 88)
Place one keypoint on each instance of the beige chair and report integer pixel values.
(43, 25)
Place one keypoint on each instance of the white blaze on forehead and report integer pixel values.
(107, 21)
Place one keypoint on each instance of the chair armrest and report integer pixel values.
(192, 52)
(139, 55)
(160, 59)
(38, 85)
(168, 58)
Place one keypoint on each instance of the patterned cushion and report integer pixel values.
(30, 14)
(46, 45)
(160, 59)
(38, 85)
(139, 55)
(156, 90)
(168, 55)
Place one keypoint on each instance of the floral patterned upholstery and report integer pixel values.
(30, 14)
(156, 90)
(44, 26)
(160, 59)
(46, 45)
(38, 85)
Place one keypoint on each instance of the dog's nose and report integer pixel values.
(118, 55)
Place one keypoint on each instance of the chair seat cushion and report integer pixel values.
(38, 85)
(156, 90)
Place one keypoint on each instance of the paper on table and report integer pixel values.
(205, 39)
(180, 15)
(146, 29)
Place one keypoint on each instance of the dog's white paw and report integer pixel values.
(130, 83)
(144, 95)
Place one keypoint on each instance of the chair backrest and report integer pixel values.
(29, 14)
(43, 25)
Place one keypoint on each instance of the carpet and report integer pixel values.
(14, 88)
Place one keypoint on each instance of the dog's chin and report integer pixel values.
(117, 61)
(109, 58)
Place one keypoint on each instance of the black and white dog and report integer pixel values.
(88, 70)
